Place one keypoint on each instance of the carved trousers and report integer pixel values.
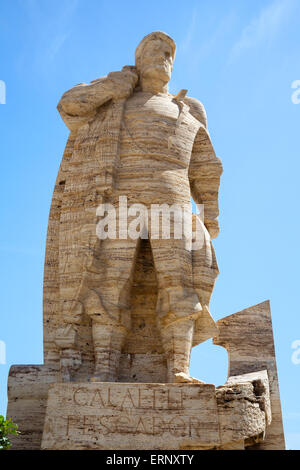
(111, 278)
(108, 302)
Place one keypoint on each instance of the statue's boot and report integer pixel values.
(177, 341)
(70, 356)
(108, 338)
(108, 341)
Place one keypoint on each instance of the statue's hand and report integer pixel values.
(123, 82)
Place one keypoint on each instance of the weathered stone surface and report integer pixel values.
(129, 300)
(155, 416)
(243, 404)
(248, 338)
(122, 313)
(129, 416)
(184, 378)
(244, 408)
(27, 397)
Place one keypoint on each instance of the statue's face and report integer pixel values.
(157, 61)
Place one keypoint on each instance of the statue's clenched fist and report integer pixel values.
(123, 82)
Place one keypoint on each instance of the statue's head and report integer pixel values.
(155, 55)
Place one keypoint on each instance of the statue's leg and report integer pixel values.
(108, 341)
(178, 305)
(177, 343)
(108, 304)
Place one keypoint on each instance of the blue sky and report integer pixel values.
(240, 59)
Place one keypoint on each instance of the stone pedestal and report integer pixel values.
(130, 416)
(156, 416)
(244, 412)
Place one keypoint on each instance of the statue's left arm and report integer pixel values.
(205, 171)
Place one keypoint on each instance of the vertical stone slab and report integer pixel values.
(27, 398)
(248, 337)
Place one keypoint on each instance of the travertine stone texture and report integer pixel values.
(27, 397)
(130, 303)
(248, 338)
(248, 404)
(244, 408)
(122, 314)
(156, 416)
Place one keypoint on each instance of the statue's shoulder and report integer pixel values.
(197, 109)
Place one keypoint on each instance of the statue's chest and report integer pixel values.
(151, 110)
(158, 124)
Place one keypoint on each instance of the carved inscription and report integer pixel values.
(124, 415)
(130, 408)
(92, 426)
(149, 399)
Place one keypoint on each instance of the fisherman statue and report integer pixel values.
(130, 138)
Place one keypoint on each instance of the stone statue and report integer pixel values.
(129, 272)
(131, 137)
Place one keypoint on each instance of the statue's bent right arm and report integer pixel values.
(79, 104)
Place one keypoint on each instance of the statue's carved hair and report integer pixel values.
(151, 37)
